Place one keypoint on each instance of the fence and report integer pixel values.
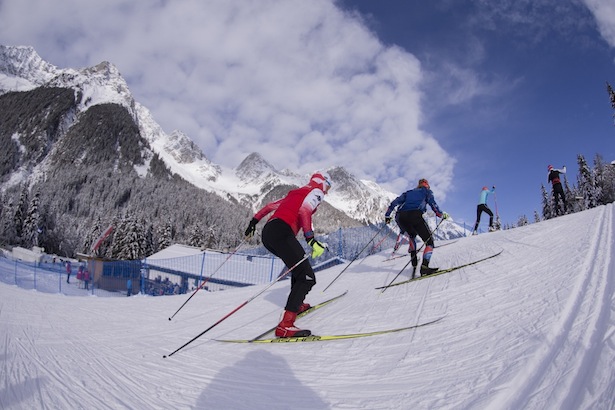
(46, 277)
(184, 274)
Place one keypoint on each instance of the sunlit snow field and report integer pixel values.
(533, 328)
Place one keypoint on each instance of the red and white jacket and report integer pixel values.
(296, 208)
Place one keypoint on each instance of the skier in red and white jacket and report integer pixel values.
(291, 214)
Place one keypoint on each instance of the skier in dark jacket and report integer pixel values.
(410, 208)
(558, 190)
(291, 214)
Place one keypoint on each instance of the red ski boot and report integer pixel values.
(304, 307)
(287, 328)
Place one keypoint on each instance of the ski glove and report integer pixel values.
(251, 228)
(317, 248)
(445, 215)
(387, 220)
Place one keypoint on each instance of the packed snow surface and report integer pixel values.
(533, 328)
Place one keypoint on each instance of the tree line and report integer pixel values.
(594, 186)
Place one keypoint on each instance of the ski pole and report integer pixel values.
(398, 241)
(283, 275)
(355, 258)
(374, 248)
(410, 261)
(207, 279)
(497, 214)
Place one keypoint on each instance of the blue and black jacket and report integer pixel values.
(415, 199)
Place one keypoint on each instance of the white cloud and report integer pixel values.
(604, 12)
(304, 83)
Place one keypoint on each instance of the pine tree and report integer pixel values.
(196, 237)
(570, 195)
(118, 233)
(148, 244)
(609, 89)
(522, 221)
(587, 187)
(609, 183)
(604, 186)
(165, 235)
(129, 243)
(31, 223)
(93, 236)
(7, 227)
(547, 208)
(536, 217)
(106, 249)
(20, 215)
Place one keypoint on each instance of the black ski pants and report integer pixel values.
(558, 192)
(280, 240)
(413, 224)
(479, 210)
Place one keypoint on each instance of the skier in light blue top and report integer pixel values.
(482, 207)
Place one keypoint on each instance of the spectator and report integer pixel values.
(69, 270)
(86, 279)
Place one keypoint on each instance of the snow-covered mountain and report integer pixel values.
(250, 183)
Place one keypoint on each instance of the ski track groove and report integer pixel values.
(556, 358)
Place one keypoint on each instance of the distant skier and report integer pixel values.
(410, 208)
(400, 236)
(290, 214)
(411, 241)
(69, 270)
(558, 190)
(482, 207)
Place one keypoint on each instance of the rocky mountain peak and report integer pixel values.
(253, 167)
(342, 179)
(182, 148)
(24, 62)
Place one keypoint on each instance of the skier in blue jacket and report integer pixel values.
(410, 208)
(482, 207)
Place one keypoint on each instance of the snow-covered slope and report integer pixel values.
(530, 329)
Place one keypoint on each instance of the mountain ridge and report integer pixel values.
(132, 143)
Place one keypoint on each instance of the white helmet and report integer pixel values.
(321, 180)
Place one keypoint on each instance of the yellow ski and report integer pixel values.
(324, 338)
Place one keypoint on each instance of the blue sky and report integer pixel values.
(510, 89)
(464, 93)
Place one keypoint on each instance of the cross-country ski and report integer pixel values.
(324, 338)
(440, 272)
